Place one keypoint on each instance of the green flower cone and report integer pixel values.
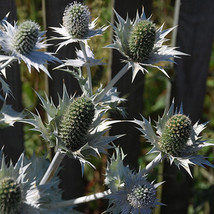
(10, 196)
(176, 134)
(76, 122)
(76, 20)
(26, 37)
(141, 41)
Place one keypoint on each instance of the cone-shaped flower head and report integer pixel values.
(76, 25)
(141, 41)
(26, 37)
(136, 196)
(77, 126)
(23, 42)
(10, 195)
(130, 191)
(176, 138)
(75, 123)
(76, 19)
(175, 135)
(142, 195)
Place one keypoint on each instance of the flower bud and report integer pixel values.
(75, 123)
(141, 41)
(26, 37)
(175, 134)
(10, 195)
(76, 20)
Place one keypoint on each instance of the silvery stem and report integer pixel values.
(113, 81)
(8, 62)
(82, 46)
(58, 157)
(79, 200)
(153, 164)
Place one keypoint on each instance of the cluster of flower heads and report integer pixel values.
(77, 126)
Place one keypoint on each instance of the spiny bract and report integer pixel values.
(10, 195)
(76, 19)
(26, 37)
(141, 41)
(141, 196)
(75, 123)
(176, 134)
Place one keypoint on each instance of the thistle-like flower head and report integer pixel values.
(26, 37)
(10, 195)
(133, 194)
(76, 20)
(77, 25)
(76, 125)
(22, 42)
(18, 194)
(141, 42)
(176, 138)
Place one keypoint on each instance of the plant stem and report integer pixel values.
(8, 62)
(79, 200)
(113, 81)
(82, 46)
(58, 157)
(153, 164)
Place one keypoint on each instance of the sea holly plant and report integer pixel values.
(22, 42)
(176, 138)
(78, 125)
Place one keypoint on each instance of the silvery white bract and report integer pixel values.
(19, 44)
(77, 25)
(116, 171)
(176, 138)
(37, 168)
(80, 60)
(95, 144)
(18, 194)
(130, 191)
(158, 52)
(8, 116)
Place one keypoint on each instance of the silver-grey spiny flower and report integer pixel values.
(77, 126)
(176, 138)
(18, 192)
(22, 42)
(77, 25)
(76, 19)
(130, 191)
(141, 42)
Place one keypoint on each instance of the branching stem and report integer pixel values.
(79, 200)
(113, 82)
(53, 167)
